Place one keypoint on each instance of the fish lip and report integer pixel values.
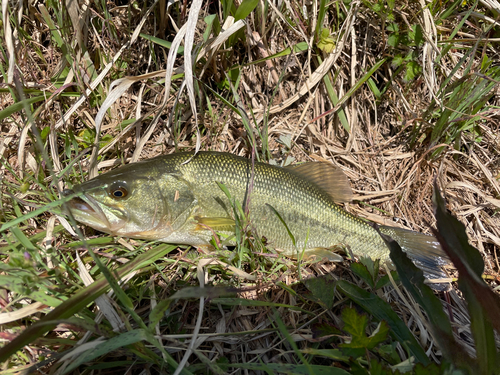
(88, 206)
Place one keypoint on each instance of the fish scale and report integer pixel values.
(311, 215)
(177, 198)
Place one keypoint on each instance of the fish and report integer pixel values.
(187, 198)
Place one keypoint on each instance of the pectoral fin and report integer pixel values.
(217, 223)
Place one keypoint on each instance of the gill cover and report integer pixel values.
(132, 201)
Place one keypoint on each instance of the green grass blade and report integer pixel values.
(288, 368)
(245, 8)
(16, 107)
(290, 234)
(162, 42)
(297, 48)
(78, 301)
(37, 212)
(335, 99)
(322, 8)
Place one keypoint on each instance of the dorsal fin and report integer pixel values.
(326, 176)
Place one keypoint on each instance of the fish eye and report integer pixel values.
(118, 190)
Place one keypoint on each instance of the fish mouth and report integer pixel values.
(89, 211)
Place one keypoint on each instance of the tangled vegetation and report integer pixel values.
(402, 95)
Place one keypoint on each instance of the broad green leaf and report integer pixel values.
(355, 324)
(383, 311)
(482, 302)
(322, 289)
(413, 280)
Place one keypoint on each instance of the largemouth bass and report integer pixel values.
(180, 199)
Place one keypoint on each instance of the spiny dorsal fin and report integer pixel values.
(327, 177)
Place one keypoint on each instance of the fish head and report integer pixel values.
(121, 204)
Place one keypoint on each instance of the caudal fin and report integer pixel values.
(424, 250)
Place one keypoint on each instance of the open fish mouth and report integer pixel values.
(89, 211)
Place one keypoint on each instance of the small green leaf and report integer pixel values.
(415, 35)
(162, 42)
(212, 22)
(393, 27)
(385, 280)
(322, 289)
(379, 335)
(45, 133)
(393, 40)
(326, 42)
(354, 323)
(383, 311)
(397, 61)
(389, 353)
(412, 70)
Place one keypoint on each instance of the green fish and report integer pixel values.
(185, 199)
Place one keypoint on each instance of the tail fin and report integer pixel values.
(424, 250)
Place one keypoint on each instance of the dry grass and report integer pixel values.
(387, 153)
